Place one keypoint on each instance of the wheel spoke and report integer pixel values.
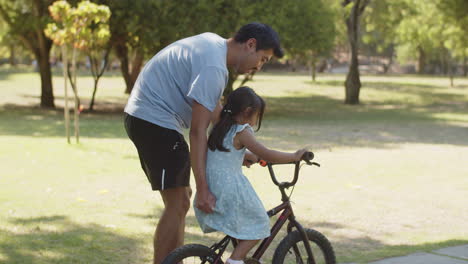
(293, 251)
(298, 255)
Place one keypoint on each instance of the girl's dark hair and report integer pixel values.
(237, 102)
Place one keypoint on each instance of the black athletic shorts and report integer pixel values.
(164, 154)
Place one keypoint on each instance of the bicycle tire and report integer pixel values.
(316, 240)
(195, 251)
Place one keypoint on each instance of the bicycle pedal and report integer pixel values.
(251, 261)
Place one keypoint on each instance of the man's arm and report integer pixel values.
(201, 118)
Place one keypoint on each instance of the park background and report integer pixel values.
(377, 89)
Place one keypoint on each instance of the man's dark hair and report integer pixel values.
(266, 37)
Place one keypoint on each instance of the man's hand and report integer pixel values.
(205, 201)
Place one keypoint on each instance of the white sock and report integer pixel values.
(231, 261)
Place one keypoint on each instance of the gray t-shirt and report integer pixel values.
(190, 69)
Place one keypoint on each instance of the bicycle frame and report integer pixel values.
(286, 214)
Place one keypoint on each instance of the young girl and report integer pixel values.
(238, 212)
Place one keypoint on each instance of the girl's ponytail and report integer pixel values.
(219, 131)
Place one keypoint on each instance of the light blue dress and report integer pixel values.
(239, 212)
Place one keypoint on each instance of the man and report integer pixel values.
(179, 88)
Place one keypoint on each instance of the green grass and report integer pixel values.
(392, 182)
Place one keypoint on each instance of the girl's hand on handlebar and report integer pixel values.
(249, 159)
(248, 162)
(298, 155)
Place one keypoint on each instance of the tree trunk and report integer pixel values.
(450, 67)
(229, 87)
(97, 71)
(444, 64)
(465, 66)
(323, 65)
(137, 63)
(66, 111)
(47, 95)
(72, 82)
(12, 58)
(387, 66)
(93, 97)
(353, 81)
(247, 77)
(421, 60)
(77, 103)
(121, 51)
(313, 68)
(129, 72)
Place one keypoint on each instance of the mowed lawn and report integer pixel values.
(393, 180)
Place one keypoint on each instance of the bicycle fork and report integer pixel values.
(305, 239)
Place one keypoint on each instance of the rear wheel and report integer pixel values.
(191, 254)
(292, 250)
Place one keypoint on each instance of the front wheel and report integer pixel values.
(191, 254)
(292, 250)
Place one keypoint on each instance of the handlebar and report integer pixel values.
(307, 157)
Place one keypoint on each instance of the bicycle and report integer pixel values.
(289, 249)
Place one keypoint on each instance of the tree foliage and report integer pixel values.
(85, 28)
(307, 31)
(433, 30)
(140, 29)
(26, 21)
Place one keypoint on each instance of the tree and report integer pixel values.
(128, 22)
(99, 60)
(355, 10)
(95, 41)
(434, 30)
(381, 22)
(235, 13)
(455, 13)
(139, 29)
(307, 32)
(417, 32)
(84, 27)
(26, 20)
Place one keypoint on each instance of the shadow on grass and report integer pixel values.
(6, 74)
(323, 108)
(109, 104)
(393, 86)
(345, 247)
(289, 121)
(325, 122)
(39, 122)
(348, 248)
(57, 239)
(362, 249)
(430, 95)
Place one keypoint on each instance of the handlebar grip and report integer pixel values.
(262, 163)
(308, 156)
